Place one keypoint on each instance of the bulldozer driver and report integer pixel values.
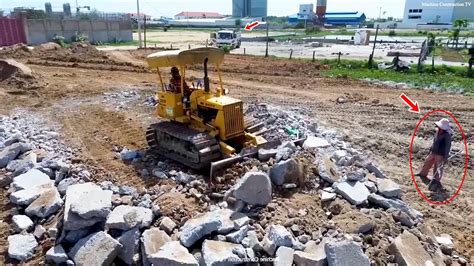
(175, 83)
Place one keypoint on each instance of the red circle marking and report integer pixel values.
(465, 165)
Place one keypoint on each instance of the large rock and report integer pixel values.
(167, 225)
(314, 142)
(397, 204)
(9, 153)
(125, 217)
(152, 240)
(285, 172)
(72, 221)
(198, 227)
(95, 249)
(31, 179)
(21, 223)
(265, 154)
(280, 236)
(284, 256)
(345, 253)
(130, 241)
(94, 203)
(173, 254)
(388, 188)
(46, 204)
(409, 251)
(27, 196)
(57, 255)
(327, 170)
(313, 254)
(238, 236)
(254, 188)
(375, 170)
(21, 166)
(354, 192)
(21, 247)
(221, 253)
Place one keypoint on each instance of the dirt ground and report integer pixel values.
(371, 117)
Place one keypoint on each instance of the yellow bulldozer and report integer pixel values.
(203, 127)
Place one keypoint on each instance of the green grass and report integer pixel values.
(444, 78)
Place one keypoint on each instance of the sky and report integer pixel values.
(168, 8)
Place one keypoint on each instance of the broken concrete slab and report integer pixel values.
(21, 223)
(314, 142)
(173, 254)
(408, 250)
(337, 155)
(254, 188)
(371, 167)
(57, 255)
(397, 204)
(358, 175)
(354, 192)
(95, 249)
(47, 203)
(345, 253)
(284, 256)
(152, 240)
(327, 196)
(265, 154)
(27, 196)
(371, 186)
(94, 203)
(167, 225)
(73, 221)
(9, 153)
(125, 217)
(302, 258)
(289, 171)
(22, 246)
(328, 171)
(402, 217)
(280, 236)
(268, 246)
(388, 188)
(221, 253)
(30, 180)
(130, 241)
(199, 226)
(237, 236)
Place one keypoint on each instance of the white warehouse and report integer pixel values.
(436, 13)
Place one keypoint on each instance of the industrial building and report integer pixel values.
(437, 14)
(306, 15)
(197, 15)
(249, 8)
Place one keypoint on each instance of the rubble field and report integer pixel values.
(77, 178)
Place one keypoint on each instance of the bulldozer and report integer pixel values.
(205, 128)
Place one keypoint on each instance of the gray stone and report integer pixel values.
(354, 192)
(237, 236)
(268, 246)
(173, 254)
(27, 196)
(358, 175)
(317, 251)
(327, 196)
(284, 256)
(397, 204)
(21, 223)
(152, 240)
(288, 171)
(314, 142)
(302, 258)
(280, 236)
(408, 250)
(337, 155)
(254, 188)
(198, 227)
(128, 155)
(21, 247)
(345, 253)
(65, 183)
(9, 153)
(53, 232)
(388, 188)
(95, 249)
(39, 231)
(253, 242)
(57, 255)
(403, 218)
(127, 190)
(265, 154)
(184, 178)
(125, 217)
(76, 235)
(371, 186)
(167, 225)
(375, 170)
(328, 171)
(21, 166)
(73, 221)
(46, 204)
(130, 241)
(221, 253)
(30, 180)
(12, 139)
(94, 203)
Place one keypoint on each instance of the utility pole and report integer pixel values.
(266, 50)
(139, 26)
(371, 57)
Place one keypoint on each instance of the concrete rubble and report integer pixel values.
(95, 249)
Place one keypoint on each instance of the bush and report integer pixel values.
(300, 25)
(312, 30)
(392, 33)
(59, 40)
(80, 37)
(226, 49)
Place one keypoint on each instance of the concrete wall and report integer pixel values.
(43, 30)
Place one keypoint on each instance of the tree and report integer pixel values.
(458, 25)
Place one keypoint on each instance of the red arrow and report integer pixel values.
(252, 25)
(413, 106)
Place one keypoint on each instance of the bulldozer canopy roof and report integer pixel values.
(186, 57)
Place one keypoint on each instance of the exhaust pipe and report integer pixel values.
(206, 78)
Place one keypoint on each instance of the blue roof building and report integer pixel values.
(335, 18)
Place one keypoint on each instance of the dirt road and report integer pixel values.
(370, 117)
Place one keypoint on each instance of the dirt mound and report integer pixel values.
(17, 51)
(15, 75)
(47, 47)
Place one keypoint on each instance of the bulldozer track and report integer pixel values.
(182, 144)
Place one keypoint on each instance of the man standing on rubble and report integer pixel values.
(438, 156)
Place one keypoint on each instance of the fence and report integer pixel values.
(12, 31)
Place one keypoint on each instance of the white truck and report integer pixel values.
(230, 38)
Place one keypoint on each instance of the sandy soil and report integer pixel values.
(373, 119)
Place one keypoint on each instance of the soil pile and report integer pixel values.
(14, 74)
